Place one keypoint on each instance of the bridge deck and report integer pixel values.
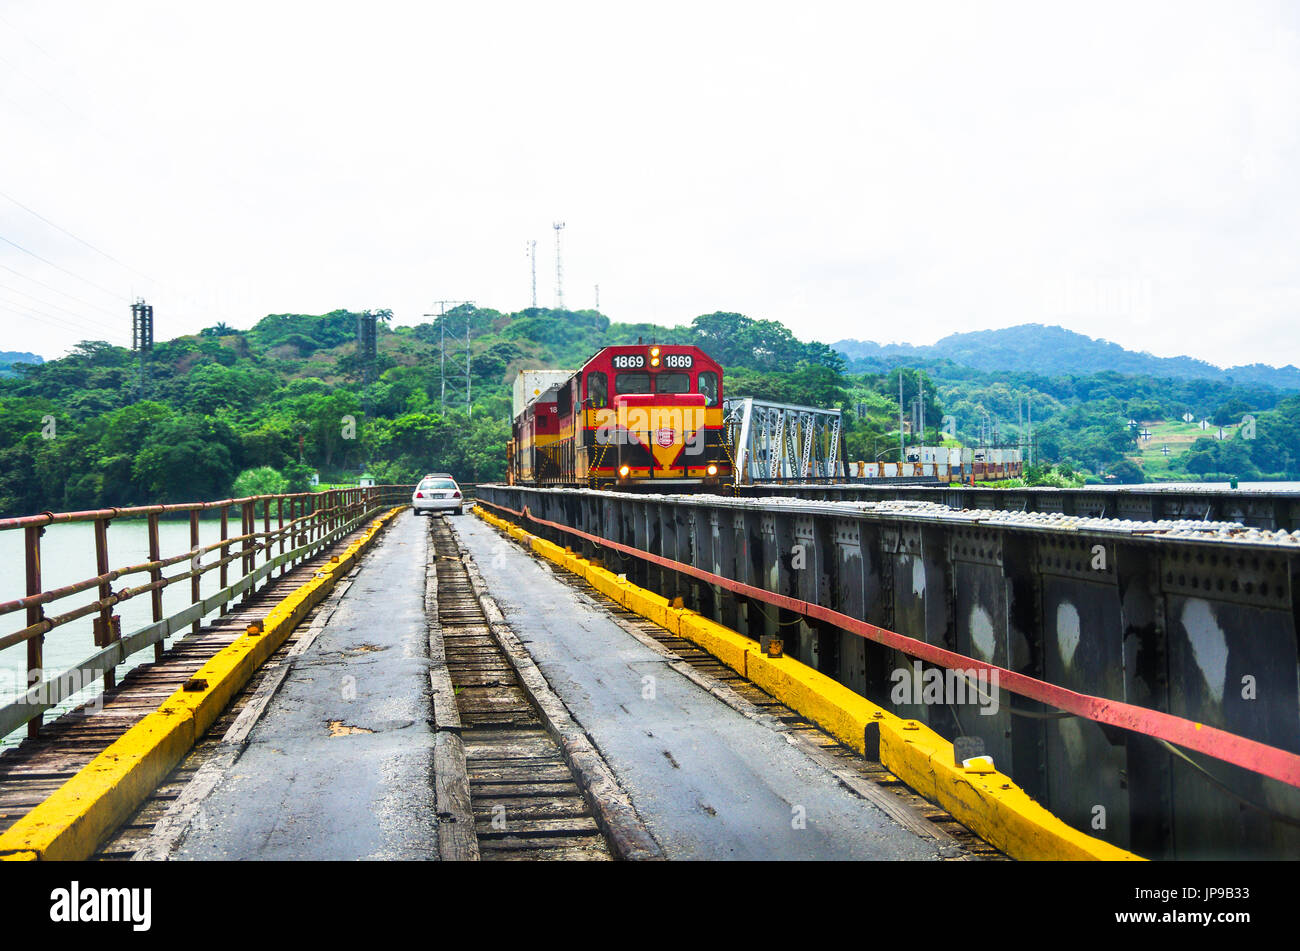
(37, 767)
(709, 781)
(333, 755)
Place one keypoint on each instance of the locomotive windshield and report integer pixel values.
(672, 383)
(632, 383)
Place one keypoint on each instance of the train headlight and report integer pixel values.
(712, 469)
(654, 356)
(624, 471)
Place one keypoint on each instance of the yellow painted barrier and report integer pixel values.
(72, 822)
(985, 801)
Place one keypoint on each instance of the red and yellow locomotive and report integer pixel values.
(631, 416)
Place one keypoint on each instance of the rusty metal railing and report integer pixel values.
(305, 523)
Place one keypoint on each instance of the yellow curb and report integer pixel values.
(72, 822)
(987, 802)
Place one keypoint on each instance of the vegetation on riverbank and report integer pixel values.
(228, 409)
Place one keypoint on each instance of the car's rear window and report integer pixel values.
(437, 484)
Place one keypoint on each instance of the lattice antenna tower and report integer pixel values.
(559, 267)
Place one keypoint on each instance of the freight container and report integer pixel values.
(530, 384)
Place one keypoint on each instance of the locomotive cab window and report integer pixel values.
(632, 383)
(709, 387)
(672, 383)
(598, 390)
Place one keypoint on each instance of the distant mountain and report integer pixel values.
(1054, 350)
(9, 357)
(17, 356)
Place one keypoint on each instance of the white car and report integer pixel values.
(437, 492)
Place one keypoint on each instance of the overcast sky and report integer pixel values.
(885, 171)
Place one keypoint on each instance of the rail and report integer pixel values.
(1191, 620)
(1246, 753)
(305, 522)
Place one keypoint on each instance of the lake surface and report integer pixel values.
(68, 556)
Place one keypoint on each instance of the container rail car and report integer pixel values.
(631, 417)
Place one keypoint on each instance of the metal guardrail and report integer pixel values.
(1185, 618)
(305, 522)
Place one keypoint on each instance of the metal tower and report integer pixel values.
(367, 346)
(142, 338)
(454, 350)
(532, 257)
(559, 268)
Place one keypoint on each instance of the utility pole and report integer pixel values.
(367, 346)
(559, 268)
(1029, 408)
(920, 400)
(597, 298)
(142, 338)
(900, 416)
(1020, 426)
(442, 350)
(532, 257)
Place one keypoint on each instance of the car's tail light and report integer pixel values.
(419, 495)
(455, 495)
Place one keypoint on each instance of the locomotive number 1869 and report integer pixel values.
(680, 361)
(629, 361)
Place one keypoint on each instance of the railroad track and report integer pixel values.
(525, 800)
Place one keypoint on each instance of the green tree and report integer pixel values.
(260, 481)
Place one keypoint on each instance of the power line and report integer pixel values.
(30, 313)
(90, 122)
(71, 313)
(59, 307)
(76, 238)
(113, 294)
(30, 41)
(57, 291)
(71, 323)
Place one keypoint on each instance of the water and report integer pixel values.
(68, 556)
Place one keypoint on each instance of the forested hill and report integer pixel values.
(286, 397)
(1054, 350)
(233, 411)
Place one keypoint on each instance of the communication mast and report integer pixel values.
(532, 257)
(142, 338)
(559, 268)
